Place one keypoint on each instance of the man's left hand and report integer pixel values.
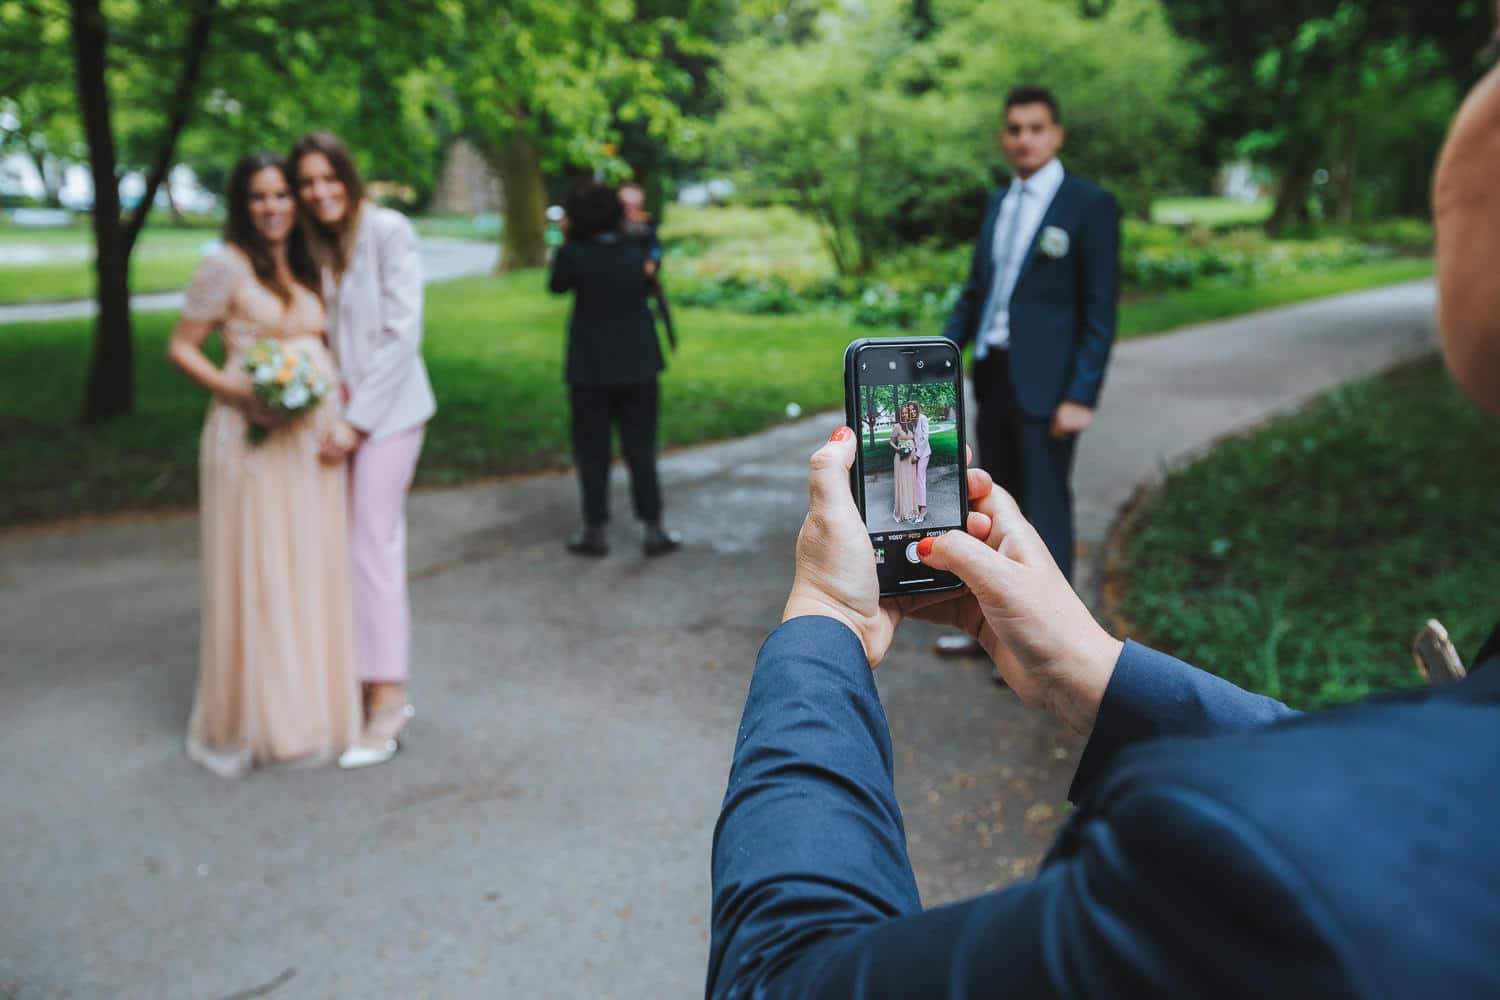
(1071, 418)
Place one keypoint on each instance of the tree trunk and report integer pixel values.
(110, 386)
(48, 170)
(110, 389)
(1291, 197)
(523, 200)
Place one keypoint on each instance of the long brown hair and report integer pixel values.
(332, 244)
(240, 231)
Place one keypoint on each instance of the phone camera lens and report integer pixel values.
(920, 363)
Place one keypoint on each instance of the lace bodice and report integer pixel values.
(225, 291)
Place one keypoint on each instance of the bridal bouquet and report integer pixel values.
(285, 379)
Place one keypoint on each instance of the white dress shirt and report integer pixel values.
(1031, 199)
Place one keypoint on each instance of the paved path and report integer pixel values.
(547, 831)
(442, 260)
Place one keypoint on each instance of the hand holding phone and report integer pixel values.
(904, 399)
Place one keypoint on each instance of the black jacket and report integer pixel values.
(611, 333)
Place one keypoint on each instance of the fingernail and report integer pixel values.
(842, 434)
(924, 547)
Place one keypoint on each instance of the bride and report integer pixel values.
(904, 472)
(276, 677)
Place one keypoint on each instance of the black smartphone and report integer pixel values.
(904, 398)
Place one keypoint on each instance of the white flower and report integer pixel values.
(295, 397)
(793, 411)
(263, 374)
(1054, 242)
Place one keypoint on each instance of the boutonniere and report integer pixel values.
(1054, 243)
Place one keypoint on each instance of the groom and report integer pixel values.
(1039, 306)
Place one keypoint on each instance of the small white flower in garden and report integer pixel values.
(1054, 242)
(793, 411)
(295, 397)
(264, 373)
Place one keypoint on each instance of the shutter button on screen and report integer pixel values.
(911, 554)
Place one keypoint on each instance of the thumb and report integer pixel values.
(828, 484)
(968, 558)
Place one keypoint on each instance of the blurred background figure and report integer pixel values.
(1040, 308)
(613, 361)
(276, 677)
(372, 279)
(640, 227)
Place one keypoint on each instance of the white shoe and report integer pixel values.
(380, 741)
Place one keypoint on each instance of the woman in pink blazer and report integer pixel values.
(372, 277)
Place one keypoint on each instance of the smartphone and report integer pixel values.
(904, 398)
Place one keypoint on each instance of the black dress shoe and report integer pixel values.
(659, 542)
(589, 542)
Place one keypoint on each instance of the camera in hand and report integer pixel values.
(904, 399)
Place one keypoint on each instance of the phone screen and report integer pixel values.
(908, 408)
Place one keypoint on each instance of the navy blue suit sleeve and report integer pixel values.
(809, 843)
(1099, 259)
(963, 322)
(1157, 889)
(1151, 695)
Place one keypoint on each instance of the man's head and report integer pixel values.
(1033, 132)
(591, 210)
(1466, 215)
(633, 198)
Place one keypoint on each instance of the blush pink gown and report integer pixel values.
(276, 677)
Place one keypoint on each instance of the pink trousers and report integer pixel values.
(922, 481)
(380, 475)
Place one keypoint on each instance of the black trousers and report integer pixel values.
(1017, 449)
(595, 409)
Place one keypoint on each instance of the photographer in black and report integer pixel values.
(613, 360)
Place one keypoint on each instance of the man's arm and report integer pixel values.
(1099, 257)
(561, 278)
(813, 894)
(810, 842)
(1151, 694)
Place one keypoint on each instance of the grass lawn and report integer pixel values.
(163, 261)
(1211, 212)
(1300, 561)
(1146, 315)
(494, 347)
(878, 455)
(464, 227)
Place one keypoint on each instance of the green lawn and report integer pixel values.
(878, 455)
(1146, 315)
(163, 261)
(1299, 561)
(1211, 212)
(466, 227)
(494, 347)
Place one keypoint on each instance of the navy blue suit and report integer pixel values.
(1062, 327)
(1222, 845)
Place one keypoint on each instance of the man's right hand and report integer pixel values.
(1021, 609)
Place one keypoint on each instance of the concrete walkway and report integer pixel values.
(547, 831)
(442, 260)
